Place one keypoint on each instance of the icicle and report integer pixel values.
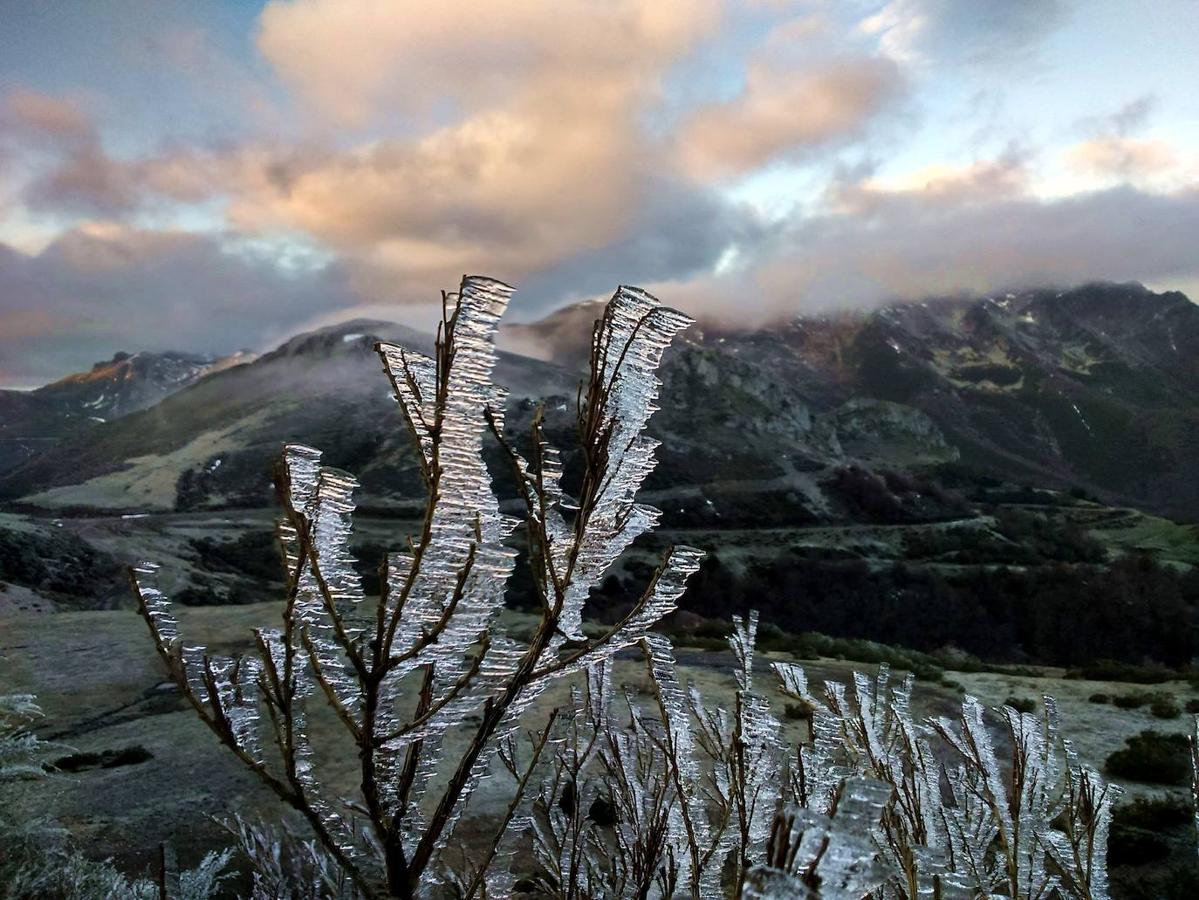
(155, 603)
(826, 857)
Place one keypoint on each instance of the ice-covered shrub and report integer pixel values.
(657, 794)
(429, 656)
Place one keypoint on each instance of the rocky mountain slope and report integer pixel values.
(213, 444)
(956, 473)
(1095, 389)
(1092, 388)
(31, 421)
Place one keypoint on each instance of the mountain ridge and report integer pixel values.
(1090, 388)
(128, 382)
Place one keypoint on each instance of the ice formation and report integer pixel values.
(614, 795)
(429, 655)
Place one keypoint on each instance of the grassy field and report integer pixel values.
(103, 690)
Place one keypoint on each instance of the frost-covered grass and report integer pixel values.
(125, 811)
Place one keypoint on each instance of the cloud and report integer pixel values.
(511, 136)
(103, 288)
(524, 187)
(1125, 158)
(70, 171)
(85, 181)
(515, 137)
(59, 142)
(372, 152)
(985, 181)
(351, 61)
(1112, 153)
(783, 112)
(1133, 115)
(911, 247)
(921, 32)
(56, 118)
(678, 232)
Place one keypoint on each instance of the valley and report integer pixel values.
(995, 495)
(842, 472)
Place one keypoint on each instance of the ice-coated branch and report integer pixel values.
(1193, 739)
(829, 856)
(430, 655)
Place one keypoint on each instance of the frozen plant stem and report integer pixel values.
(434, 633)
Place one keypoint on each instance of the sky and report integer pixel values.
(219, 175)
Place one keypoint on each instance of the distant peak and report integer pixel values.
(354, 335)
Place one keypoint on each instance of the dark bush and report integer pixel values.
(1135, 847)
(1153, 813)
(1177, 882)
(1192, 707)
(713, 628)
(866, 496)
(1165, 708)
(771, 637)
(105, 759)
(1140, 829)
(800, 711)
(1045, 538)
(62, 564)
(1152, 757)
(892, 497)
(928, 673)
(1113, 670)
(1049, 613)
(254, 555)
(1021, 704)
(1100, 698)
(1134, 700)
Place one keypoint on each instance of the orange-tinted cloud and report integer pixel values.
(54, 117)
(783, 111)
(515, 134)
(522, 187)
(985, 181)
(1126, 158)
(351, 60)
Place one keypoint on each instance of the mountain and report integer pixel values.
(562, 337)
(214, 442)
(954, 473)
(132, 381)
(1094, 388)
(32, 420)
